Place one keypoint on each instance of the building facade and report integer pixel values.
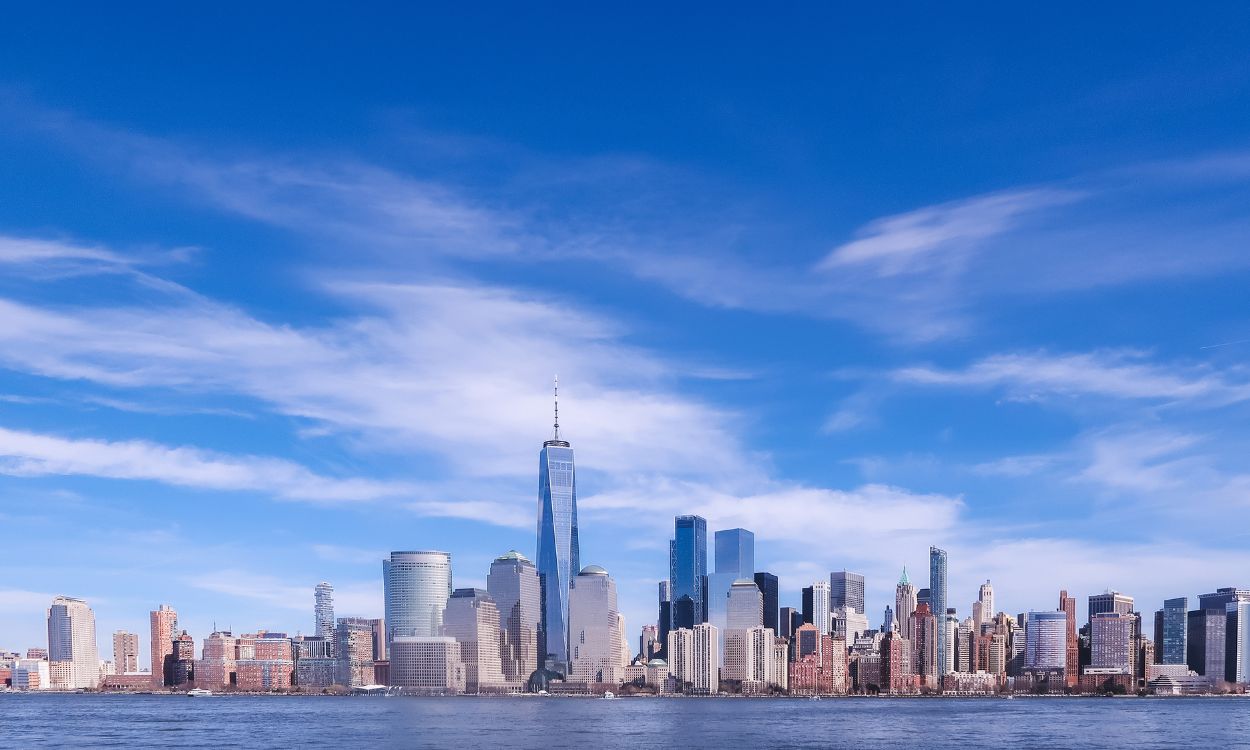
(687, 563)
(323, 609)
(74, 661)
(416, 587)
(514, 585)
(559, 552)
(595, 655)
(473, 620)
(164, 627)
(429, 665)
(938, 604)
(126, 651)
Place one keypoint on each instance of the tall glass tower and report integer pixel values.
(937, 602)
(687, 568)
(558, 556)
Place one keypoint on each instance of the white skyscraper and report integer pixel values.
(985, 600)
(323, 610)
(595, 653)
(72, 649)
(821, 616)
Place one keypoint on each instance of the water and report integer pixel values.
(309, 722)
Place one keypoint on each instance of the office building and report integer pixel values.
(559, 553)
(924, 646)
(744, 615)
(74, 661)
(846, 590)
(416, 587)
(816, 606)
(984, 611)
(688, 570)
(595, 656)
(126, 652)
(905, 602)
(473, 620)
(734, 557)
(1170, 631)
(767, 584)
(1111, 642)
(427, 665)
(1206, 642)
(1110, 601)
(1046, 642)
(1237, 658)
(514, 585)
(164, 627)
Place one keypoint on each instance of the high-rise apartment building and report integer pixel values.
(559, 553)
(693, 658)
(514, 585)
(126, 652)
(687, 563)
(354, 651)
(1072, 661)
(323, 609)
(924, 646)
(72, 651)
(904, 605)
(164, 624)
(595, 656)
(846, 590)
(473, 620)
(180, 663)
(416, 587)
(938, 604)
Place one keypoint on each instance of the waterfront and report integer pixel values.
(310, 722)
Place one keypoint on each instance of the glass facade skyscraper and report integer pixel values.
(559, 557)
(417, 585)
(937, 600)
(735, 560)
(687, 563)
(846, 590)
(1175, 625)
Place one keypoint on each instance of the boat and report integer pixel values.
(608, 695)
(199, 693)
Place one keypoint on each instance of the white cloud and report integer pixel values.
(1119, 374)
(937, 236)
(350, 599)
(30, 454)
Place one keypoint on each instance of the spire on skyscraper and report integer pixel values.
(902, 581)
(556, 395)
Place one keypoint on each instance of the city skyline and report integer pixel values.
(862, 285)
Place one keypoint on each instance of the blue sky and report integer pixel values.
(282, 290)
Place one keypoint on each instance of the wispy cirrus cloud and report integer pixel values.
(28, 454)
(1119, 374)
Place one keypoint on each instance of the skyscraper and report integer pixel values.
(594, 628)
(1237, 645)
(938, 603)
(1046, 641)
(513, 584)
(1072, 662)
(72, 644)
(735, 560)
(1110, 601)
(323, 609)
(473, 620)
(744, 613)
(846, 590)
(126, 652)
(416, 587)
(905, 602)
(1111, 641)
(985, 598)
(164, 621)
(687, 563)
(767, 584)
(1207, 644)
(924, 646)
(559, 555)
(816, 606)
(1171, 645)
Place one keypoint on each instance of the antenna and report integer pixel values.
(556, 394)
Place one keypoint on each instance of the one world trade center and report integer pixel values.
(558, 556)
